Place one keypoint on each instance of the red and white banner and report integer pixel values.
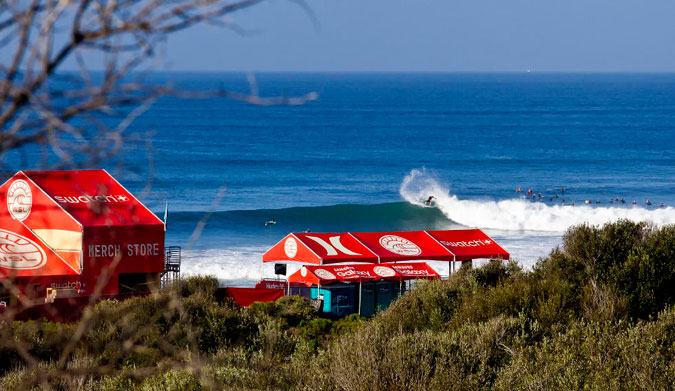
(384, 247)
(328, 274)
(466, 244)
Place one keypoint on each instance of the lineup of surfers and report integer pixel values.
(538, 196)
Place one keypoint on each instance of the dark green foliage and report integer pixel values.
(291, 310)
(562, 326)
(188, 286)
(598, 313)
(633, 263)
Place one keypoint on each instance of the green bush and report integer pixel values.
(290, 310)
(597, 313)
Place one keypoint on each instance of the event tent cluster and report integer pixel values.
(385, 247)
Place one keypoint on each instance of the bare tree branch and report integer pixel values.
(40, 105)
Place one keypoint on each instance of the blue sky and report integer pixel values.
(438, 35)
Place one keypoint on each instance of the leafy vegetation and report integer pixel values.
(597, 313)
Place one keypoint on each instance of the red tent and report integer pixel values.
(322, 275)
(383, 247)
(90, 222)
(466, 244)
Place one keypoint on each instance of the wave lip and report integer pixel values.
(519, 214)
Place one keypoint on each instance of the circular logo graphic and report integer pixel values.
(290, 247)
(19, 199)
(384, 271)
(20, 253)
(303, 271)
(324, 274)
(399, 245)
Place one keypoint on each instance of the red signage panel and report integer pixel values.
(93, 197)
(468, 244)
(328, 274)
(401, 246)
(337, 247)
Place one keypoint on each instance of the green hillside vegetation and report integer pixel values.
(598, 313)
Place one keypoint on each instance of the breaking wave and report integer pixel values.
(520, 214)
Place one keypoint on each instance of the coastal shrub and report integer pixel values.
(429, 306)
(599, 356)
(170, 380)
(622, 267)
(466, 358)
(319, 331)
(138, 332)
(39, 339)
(291, 310)
(185, 287)
(647, 277)
(596, 313)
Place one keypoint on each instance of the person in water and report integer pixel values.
(429, 201)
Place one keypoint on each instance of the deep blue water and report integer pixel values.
(597, 135)
(476, 136)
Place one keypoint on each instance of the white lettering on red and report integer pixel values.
(86, 198)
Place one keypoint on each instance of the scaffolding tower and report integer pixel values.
(172, 255)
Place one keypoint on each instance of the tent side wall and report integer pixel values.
(132, 257)
(22, 200)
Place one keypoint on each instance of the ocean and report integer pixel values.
(372, 147)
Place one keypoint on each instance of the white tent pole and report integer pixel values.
(360, 293)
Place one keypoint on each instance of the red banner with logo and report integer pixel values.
(384, 247)
(466, 244)
(329, 274)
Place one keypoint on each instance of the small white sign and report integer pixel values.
(399, 245)
(19, 199)
(290, 247)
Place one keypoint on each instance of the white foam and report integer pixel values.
(234, 266)
(520, 214)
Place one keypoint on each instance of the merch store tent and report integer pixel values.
(373, 259)
(62, 230)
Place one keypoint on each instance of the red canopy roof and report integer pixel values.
(92, 197)
(381, 247)
(314, 275)
(466, 243)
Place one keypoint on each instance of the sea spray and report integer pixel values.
(520, 214)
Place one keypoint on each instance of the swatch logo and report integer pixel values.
(20, 253)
